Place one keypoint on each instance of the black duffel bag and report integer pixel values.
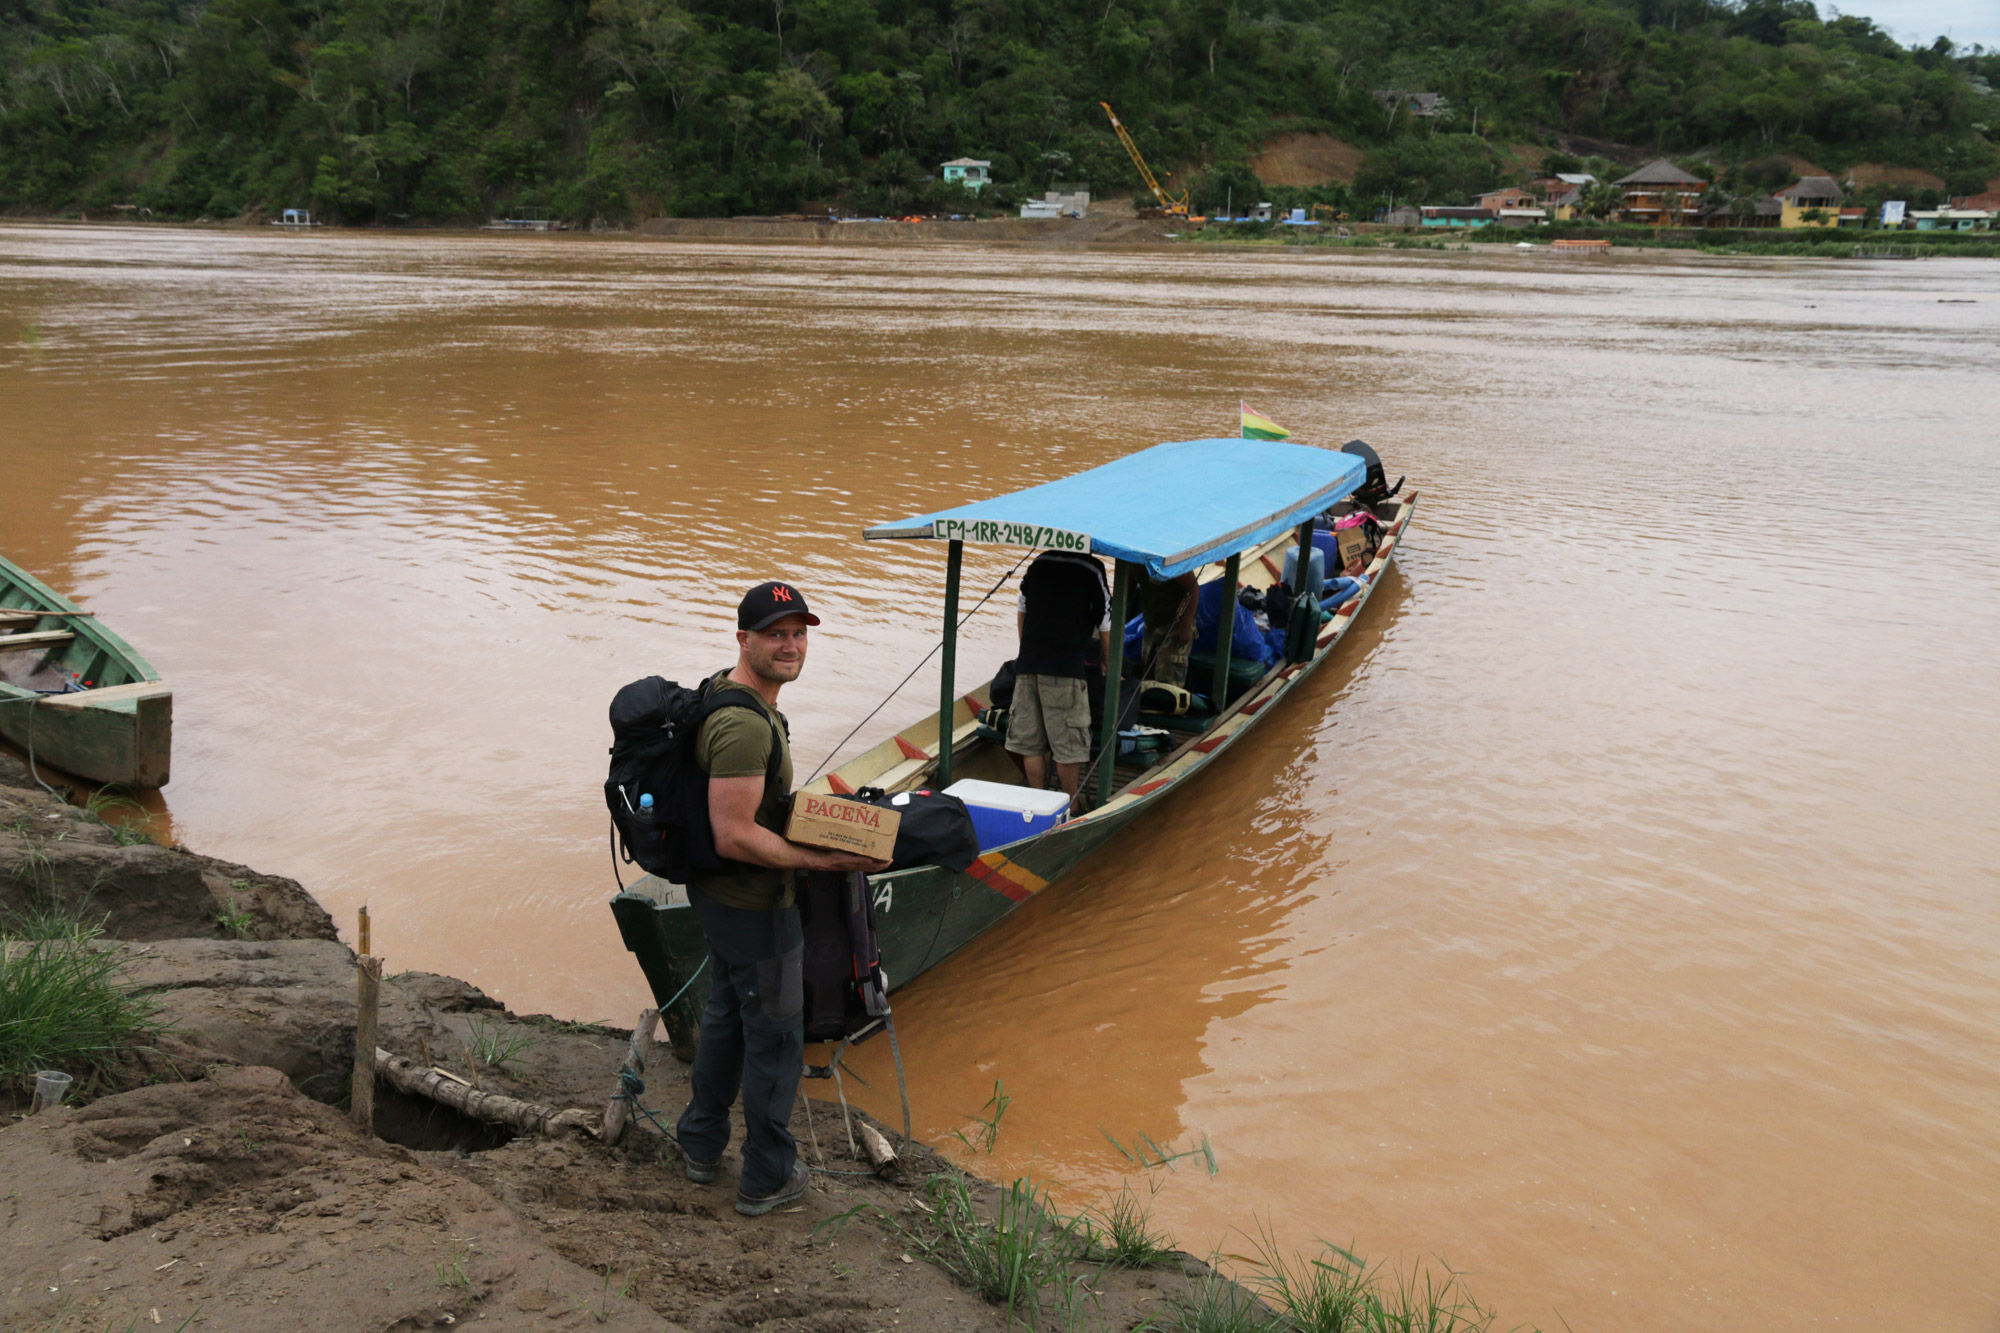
(846, 995)
(1000, 694)
(936, 829)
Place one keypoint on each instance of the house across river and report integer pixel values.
(971, 172)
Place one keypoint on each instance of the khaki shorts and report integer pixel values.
(1050, 713)
(1170, 665)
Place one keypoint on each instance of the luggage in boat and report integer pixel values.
(846, 994)
(1315, 568)
(1246, 641)
(1302, 630)
(1142, 745)
(1156, 696)
(1278, 607)
(1243, 672)
(936, 828)
(1003, 813)
(1000, 694)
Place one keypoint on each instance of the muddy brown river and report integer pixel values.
(1614, 920)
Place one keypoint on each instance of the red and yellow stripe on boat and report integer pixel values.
(1009, 877)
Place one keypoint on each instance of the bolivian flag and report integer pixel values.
(1257, 427)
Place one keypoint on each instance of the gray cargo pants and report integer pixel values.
(752, 1037)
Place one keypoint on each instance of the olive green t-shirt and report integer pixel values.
(736, 743)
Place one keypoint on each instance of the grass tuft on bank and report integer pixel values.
(61, 1006)
(1123, 1236)
(1026, 1258)
(1214, 1304)
(1336, 1291)
(1041, 1267)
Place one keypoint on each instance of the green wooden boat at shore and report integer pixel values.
(75, 695)
(1227, 510)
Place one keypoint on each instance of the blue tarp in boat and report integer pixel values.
(1172, 508)
(1246, 641)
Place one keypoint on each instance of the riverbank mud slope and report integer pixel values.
(213, 1181)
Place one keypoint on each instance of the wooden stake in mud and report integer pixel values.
(369, 985)
(367, 1013)
(364, 949)
(643, 1052)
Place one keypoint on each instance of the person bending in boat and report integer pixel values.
(753, 1028)
(1168, 606)
(1064, 601)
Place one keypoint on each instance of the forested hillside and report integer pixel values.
(454, 110)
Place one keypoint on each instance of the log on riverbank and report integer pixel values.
(525, 1117)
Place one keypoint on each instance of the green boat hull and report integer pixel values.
(114, 723)
(922, 917)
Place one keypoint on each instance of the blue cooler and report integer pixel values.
(1003, 813)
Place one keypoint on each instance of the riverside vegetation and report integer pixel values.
(613, 110)
(1044, 1267)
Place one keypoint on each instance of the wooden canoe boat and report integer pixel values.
(925, 914)
(75, 694)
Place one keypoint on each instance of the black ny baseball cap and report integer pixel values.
(768, 603)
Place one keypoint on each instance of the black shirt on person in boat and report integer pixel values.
(1064, 604)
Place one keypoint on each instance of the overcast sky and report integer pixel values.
(1964, 21)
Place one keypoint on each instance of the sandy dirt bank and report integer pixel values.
(215, 1181)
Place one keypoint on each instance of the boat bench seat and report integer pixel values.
(50, 638)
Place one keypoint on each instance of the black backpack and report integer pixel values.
(653, 725)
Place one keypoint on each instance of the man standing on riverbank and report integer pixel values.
(753, 1028)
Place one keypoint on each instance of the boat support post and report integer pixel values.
(1114, 675)
(1296, 651)
(1225, 631)
(954, 561)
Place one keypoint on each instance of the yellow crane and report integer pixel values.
(1172, 206)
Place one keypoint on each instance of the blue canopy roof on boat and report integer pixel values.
(1172, 508)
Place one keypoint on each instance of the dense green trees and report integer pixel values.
(443, 109)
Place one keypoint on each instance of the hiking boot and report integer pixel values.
(700, 1172)
(790, 1192)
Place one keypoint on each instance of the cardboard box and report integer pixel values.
(838, 824)
(1353, 546)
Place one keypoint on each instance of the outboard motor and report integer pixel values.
(1375, 488)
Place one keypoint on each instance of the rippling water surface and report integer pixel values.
(1615, 919)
